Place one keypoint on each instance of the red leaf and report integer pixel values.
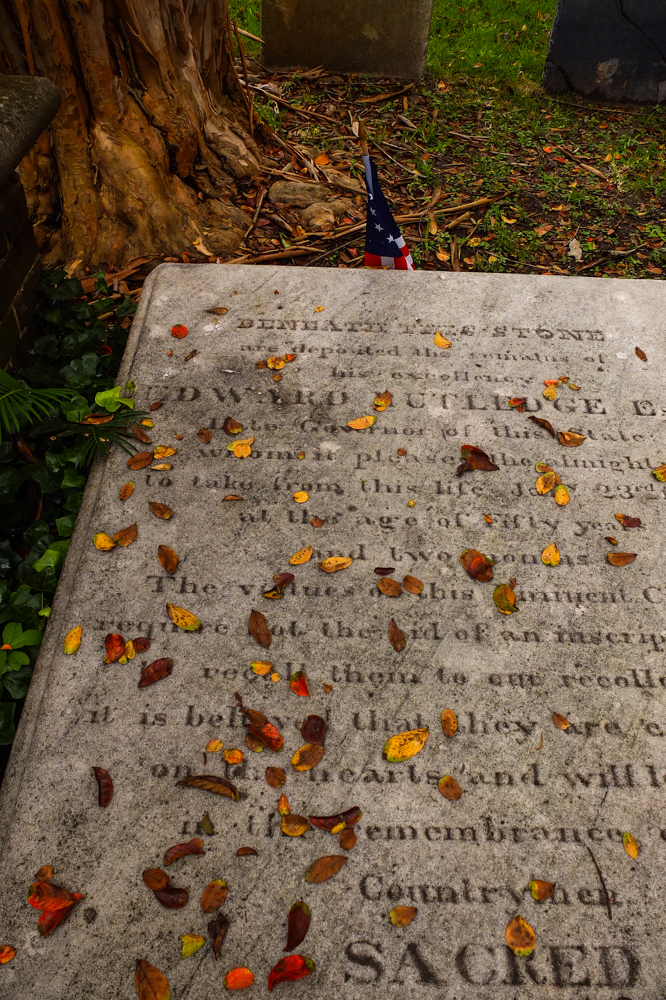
(194, 846)
(297, 924)
(104, 786)
(313, 730)
(49, 896)
(289, 968)
(337, 823)
(476, 459)
(269, 735)
(298, 684)
(171, 897)
(50, 919)
(115, 647)
(155, 671)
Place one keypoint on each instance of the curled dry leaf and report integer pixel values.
(541, 890)
(238, 978)
(307, 757)
(620, 558)
(126, 536)
(396, 637)
(382, 400)
(167, 558)
(546, 424)
(213, 896)
(338, 822)
(156, 405)
(412, 585)
(317, 522)
(140, 434)
(114, 645)
(560, 721)
(7, 953)
(162, 467)
(194, 846)
(520, 937)
(402, 916)
(477, 566)
(660, 473)
(542, 467)
(302, 556)
(161, 510)
(335, 563)
(104, 786)
(449, 722)
(641, 355)
(103, 542)
(449, 788)
(630, 845)
(261, 667)
(301, 496)
(275, 777)
(155, 878)
(232, 496)
(389, 587)
(218, 310)
(474, 458)
(299, 684)
(347, 840)
(191, 942)
(570, 439)
(212, 783)
(45, 874)
(551, 555)
(313, 730)
(258, 629)
(628, 522)
(404, 745)
(609, 538)
(217, 929)
(283, 805)
(164, 451)
(505, 599)
(205, 435)
(384, 570)
(156, 671)
(183, 619)
(298, 923)
(561, 495)
(290, 968)
(72, 642)
(361, 423)
(150, 983)
(518, 403)
(440, 341)
(246, 852)
(293, 825)
(324, 868)
(126, 491)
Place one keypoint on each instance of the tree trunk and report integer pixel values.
(151, 139)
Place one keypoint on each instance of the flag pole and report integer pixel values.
(363, 138)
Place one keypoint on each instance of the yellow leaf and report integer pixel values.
(630, 845)
(520, 937)
(182, 618)
(275, 678)
(660, 473)
(550, 392)
(440, 341)
(301, 496)
(561, 495)
(130, 651)
(301, 556)
(545, 483)
(319, 309)
(361, 423)
(335, 563)
(261, 667)
(551, 555)
(509, 222)
(233, 756)
(276, 363)
(162, 451)
(242, 450)
(103, 542)
(404, 745)
(161, 467)
(294, 826)
(72, 640)
(214, 746)
(505, 599)
(191, 944)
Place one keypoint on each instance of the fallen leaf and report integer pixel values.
(104, 542)
(609, 538)
(104, 786)
(179, 331)
(324, 868)
(213, 896)
(299, 684)
(520, 937)
(313, 730)
(218, 310)
(167, 558)
(163, 467)
(233, 757)
(114, 645)
(319, 309)
(161, 510)
(505, 599)
(641, 354)
(347, 840)
(560, 721)
(405, 745)
(412, 585)
(570, 439)
(474, 458)
(545, 483)
(126, 491)
(487, 518)
(630, 845)
(205, 435)
(212, 783)
(238, 979)
(194, 846)
(290, 357)
(440, 341)
(207, 825)
(293, 825)
(261, 667)
(192, 354)
(317, 522)
(541, 890)
(45, 874)
(217, 929)
(302, 556)
(126, 536)
(307, 757)
(141, 644)
(660, 473)
(389, 587)
(384, 570)
(241, 449)
(518, 403)
(49, 897)
(232, 496)
(396, 637)
(150, 983)
(50, 919)
(7, 953)
(449, 788)
(183, 619)
(246, 852)
(335, 563)
(298, 923)
(402, 916)
(231, 427)
(301, 496)
(156, 405)
(621, 558)
(546, 424)
(140, 434)
(550, 392)
(269, 735)
(561, 495)
(449, 722)
(551, 555)
(321, 161)
(275, 777)
(361, 423)
(140, 460)
(477, 566)
(191, 944)
(275, 363)
(283, 805)
(72, 642)
(290, 967)
(383, 400)
(402, 452)
(130, 651)
(338, 822)
(628, 522)
(214, 746)
(258, 629)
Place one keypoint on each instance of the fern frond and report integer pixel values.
(18, 400)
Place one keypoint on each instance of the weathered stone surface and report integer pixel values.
(297, 193)
(27, 105)
(317, 216)
(372, 37)
(588, 643)
(612, 49)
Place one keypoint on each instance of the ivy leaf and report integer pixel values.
(111, 400)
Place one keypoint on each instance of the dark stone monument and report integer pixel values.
(609, 49)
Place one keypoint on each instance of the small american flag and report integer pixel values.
(384, 243)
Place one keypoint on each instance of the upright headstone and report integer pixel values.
(588, 642)
(608, 49)
(386, 38)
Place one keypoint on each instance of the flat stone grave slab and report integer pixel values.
(386, 38)
(538, 802)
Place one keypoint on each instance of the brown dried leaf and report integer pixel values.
(384, 570)
(317, 522)
(383, 400)
(324, 868)
(258, 629)
(313, 730)
(396, 637)
(150, 983)
(231, 426)
(168, 559)
(171, 897)
(212, 783)
(476, 565)
(104, 786)
(205, 435)
(217, 928)
(474, 458)
(449, 722)
(628, 522)
(541, 890)
(641, 355)
(45, 874)
(347, 840)
(156, 405)
(218, 310)
(307, 757)
(126, 491)
(570, 439)
(560, 721)
(140, 434)
(275, 777)
(449, 788)
(155, 878)
(546, 424)
(412, 585)
(621, 558)
(194, 846)
(141, 644)
(389, 587)
(402, 916)
(246, 852)
(338, 822)
(213, 896)
(140, 460)
(298, 923)
(126, 536)
(155, 671)
(161, 510)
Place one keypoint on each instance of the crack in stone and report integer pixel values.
(638, 28)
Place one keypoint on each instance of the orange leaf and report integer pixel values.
(324, 868)
(140, 460)
(289, 968)
(335, 563)
(630, 845)
(449, 788)
(167, 558)
(449, 722)
(233, 756)
(402, 916)
(361, 423)
(477, 566)
(205, 435)
(396, 637)
(238, 979)
(150, 983)
(621, 558)
(115, 647)
(520, 937)
(298, 684)
(293, 825)
(72, 641)
(161, 510)
(412, 585)
(126, 491)
(126, 536)
(302, 556)
(570, 439)
(6, 953)
(540, 889)
(389, 587)
(213, 896)
(307, 757)
(560, 721)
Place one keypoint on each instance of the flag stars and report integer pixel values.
(380, 229)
